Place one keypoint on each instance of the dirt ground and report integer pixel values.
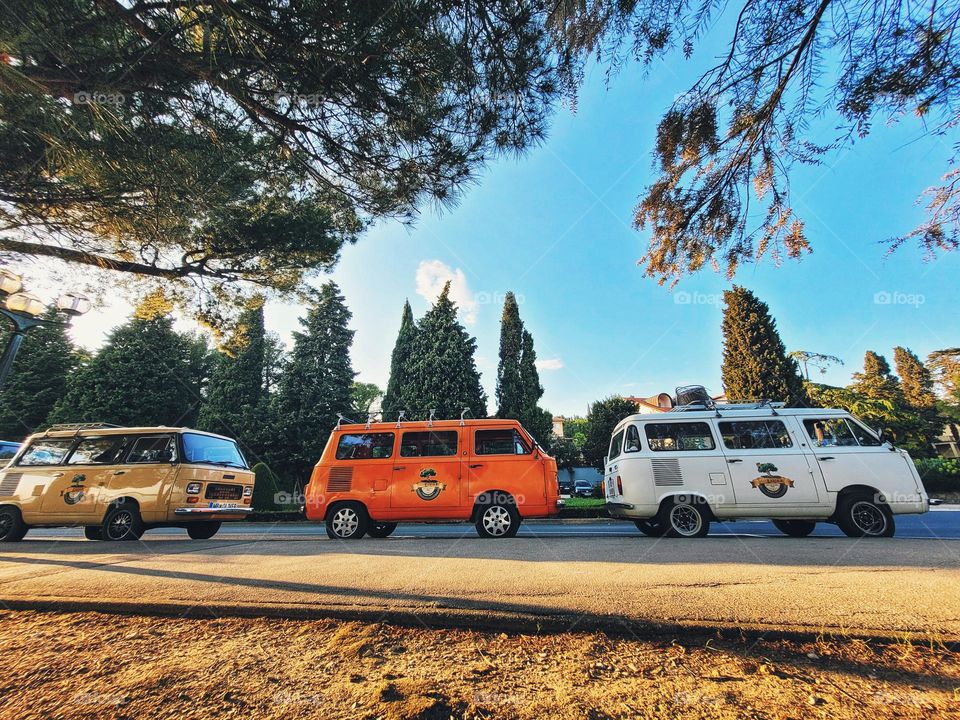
(87, 665)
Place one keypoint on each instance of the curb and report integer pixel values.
(451, 618)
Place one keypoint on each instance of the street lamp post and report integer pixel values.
(23, 310)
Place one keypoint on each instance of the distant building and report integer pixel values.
(948, 444)
(661, 402)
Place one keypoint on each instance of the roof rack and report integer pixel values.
(60, 427)
(726, 407)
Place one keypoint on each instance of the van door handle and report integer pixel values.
(119, 472)
(477, 465)
(57, 475)
(828, 457)
(734, 460)
(399, 467)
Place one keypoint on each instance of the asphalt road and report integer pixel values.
(571, 575)
(942, 523)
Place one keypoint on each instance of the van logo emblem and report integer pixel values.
(771, 485)
(76, 492)
(428, 488)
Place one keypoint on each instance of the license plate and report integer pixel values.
(224, 505)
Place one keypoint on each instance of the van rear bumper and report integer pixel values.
(213, 511)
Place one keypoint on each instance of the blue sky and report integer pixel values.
(554, 226)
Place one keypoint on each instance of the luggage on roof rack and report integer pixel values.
(60, 427)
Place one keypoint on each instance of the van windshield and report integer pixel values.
(207, 450)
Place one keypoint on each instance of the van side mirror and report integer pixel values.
(606, 460)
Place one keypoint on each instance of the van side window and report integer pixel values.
(830, 432)
(428, 444)
(97, 451)
(50, 451)
(679, 436)
(864, 436)
(152, 450)
(500, 442)
(615, 445)
(365, 446)
(755, 435)
(631, 443)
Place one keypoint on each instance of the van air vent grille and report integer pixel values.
(341, 479)
(8, 486)
(666, 472)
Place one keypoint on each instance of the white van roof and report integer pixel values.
(732, 411)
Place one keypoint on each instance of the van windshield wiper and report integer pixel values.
(222, 463)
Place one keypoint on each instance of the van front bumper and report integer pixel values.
(213, 511)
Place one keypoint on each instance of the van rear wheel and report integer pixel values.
(685, 517)
(12, 527)
(651, 528)
(347, 521)
(203, 530)
(795, 528)
(381, 529)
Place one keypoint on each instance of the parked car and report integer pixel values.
(584, 489)
(117, 482)
(375, 475)
(566, 484)
(676, 472)
(8, 449)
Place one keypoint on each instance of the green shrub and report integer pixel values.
(939, 474)
(266, 489)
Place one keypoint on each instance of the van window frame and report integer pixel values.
(770, 435)
(24, 451)
(134, 439)
(121, 450)
(527, 443)
(706, 424)
(626, 436)
(618, 440)
(393, 445)
(430, 431)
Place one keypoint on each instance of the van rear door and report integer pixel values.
(427, 475)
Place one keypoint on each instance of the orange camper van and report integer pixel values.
(375, 475)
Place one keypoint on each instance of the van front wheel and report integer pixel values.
(12, 527)
(795, 528)
(203, 530)
(93, 532)
(347, 521)
(863, 516)
(685, 517)
(123, 522)
(497, 517)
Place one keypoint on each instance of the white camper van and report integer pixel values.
(673, 473)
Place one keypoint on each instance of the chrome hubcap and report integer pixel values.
(120, 525)
(345, 522)
(685, 520)
(868, 518)
(496, 520)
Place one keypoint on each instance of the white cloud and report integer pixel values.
(432, 275)
(549, 364)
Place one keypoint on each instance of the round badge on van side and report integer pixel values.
(428, 488)
(771, 485)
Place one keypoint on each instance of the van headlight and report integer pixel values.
(193, 488)
(248, 491)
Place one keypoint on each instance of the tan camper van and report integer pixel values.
(117, 482)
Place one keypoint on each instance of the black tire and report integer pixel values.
(497, 516)
(651, 527)
(203, 530)
(93, 532)
(347, 521)
(381, 529)
(122, 523)
(685, 517)
(795, 528)
(12, 527)
(865, 516)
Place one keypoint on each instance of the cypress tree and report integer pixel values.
(755, 362)
(397, 396)
(145, 374)
(37, 381)
(534, 418)
(916, 383)
(444, 374)
(511, 397)
(315, 386)
(236, 400)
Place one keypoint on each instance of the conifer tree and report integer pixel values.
(145, 374)
(916, 383)
(444, 374)
(534, 418)
(397, 396)
(39, 379)
(511, 397)
(755, 362)
(236, 402)
(315, 386)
